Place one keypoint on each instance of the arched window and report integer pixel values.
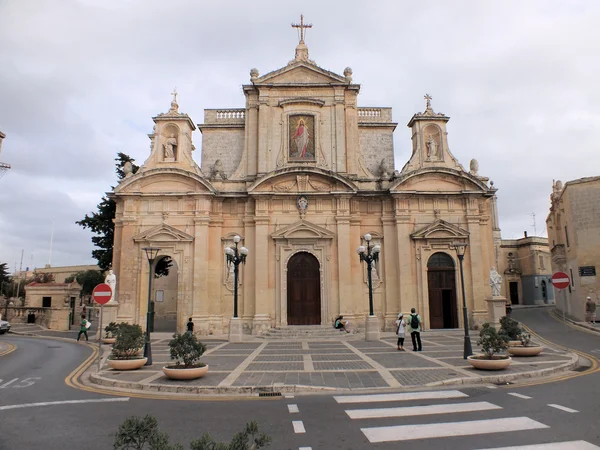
(440, 260)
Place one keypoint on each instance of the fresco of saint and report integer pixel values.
(301, 137)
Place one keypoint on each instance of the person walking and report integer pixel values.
(190, 326)
(400, 331)
(83, 329)
(590, 310)
(415, 330)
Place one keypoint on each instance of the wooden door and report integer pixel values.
(441, 284)
(303, 290)
(513, 287)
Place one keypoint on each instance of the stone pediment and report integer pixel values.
(164, 181)
(303, 230)
(438, 180)
(301, 72)
(163, 233)
(440, 229)
(298, 181)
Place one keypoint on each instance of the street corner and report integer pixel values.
(6, 348)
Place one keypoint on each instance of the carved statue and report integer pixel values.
(111, 280)
(348, 74)
(216, 170)
(128, 169)
(384, 169)
(495, 282)
(432, 147)
(170, 146)
(474, 167)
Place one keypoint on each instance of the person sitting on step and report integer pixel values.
(340, 324)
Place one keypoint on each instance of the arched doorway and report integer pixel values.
(303, 290)
(441, 283)
(165, 295)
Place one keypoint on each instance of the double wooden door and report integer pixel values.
(303, 290)
(442, 298)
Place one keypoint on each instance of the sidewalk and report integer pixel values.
(38, 330)
(588, 326)
(260, 366)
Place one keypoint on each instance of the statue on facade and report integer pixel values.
(128, 169)
(216, 170)
(384, 169)
(170, 146)
(474, 167)
(495, 282)
(432, 146)
(111, 280)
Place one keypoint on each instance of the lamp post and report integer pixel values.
(460, 252)
(235, 256)
(370, 254)
(151, 253)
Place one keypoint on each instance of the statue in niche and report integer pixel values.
(170, 145)
(384, 169)
(216, 170)
(495, 282)
(432, 147)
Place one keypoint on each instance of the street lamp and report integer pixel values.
(235, 257)
(151, 253)
(460, 252)
(370, 254)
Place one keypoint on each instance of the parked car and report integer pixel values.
(4, 326)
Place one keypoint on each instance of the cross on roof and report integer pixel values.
(174, 94)
(302, 27)
(428, 98)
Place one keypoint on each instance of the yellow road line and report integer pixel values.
(593, 369)
(11, 348)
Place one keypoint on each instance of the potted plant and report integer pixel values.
(511, 329)
(124, 356)
(186, 350)
(110, 333)
(526, 348)
(491, 343)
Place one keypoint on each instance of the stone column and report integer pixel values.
(389, 254)
(263, 135)
(200, 270)
(260, 254)
(344, 254)
(339, 130)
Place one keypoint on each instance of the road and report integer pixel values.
(35, 372)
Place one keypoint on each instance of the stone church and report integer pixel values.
(301, 173)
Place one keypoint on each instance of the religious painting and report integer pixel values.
(302, 137)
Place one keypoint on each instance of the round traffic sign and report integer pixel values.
(560, 280)
(102, 293)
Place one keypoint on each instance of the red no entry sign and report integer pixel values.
(560, 280)
(102, 293)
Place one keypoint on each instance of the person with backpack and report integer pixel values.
(415, 330)
(400, 331)
(190, 326)
(83, 329)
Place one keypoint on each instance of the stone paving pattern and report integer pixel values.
(349, 364)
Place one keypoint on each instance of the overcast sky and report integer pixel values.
(81, 80)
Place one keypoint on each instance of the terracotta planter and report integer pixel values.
(533, 350)
(498, 363)
(110, 340)
(185, 374)
(126, 364)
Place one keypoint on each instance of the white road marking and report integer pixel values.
(563, 408)
(409, 411)
(65, 402)
(405, 396)
(298, 426)
(288, 396)
(438, 430)
(293, 409)
(514, 394)
(570, 445)
(7, 384)
(492, 387)
(305, 448)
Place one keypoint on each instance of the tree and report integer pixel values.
(88, 280)
(101, 222)
(39, 277)
(4, 277)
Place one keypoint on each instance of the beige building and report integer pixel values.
(574, 235)
(60, 273)
(52, 305)
(301, 173)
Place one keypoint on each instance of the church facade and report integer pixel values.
(301, 174)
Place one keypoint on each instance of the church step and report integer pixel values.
(320, 332)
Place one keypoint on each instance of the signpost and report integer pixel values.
(560, 281)
(101, 294)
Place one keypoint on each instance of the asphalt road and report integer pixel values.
(325, 419)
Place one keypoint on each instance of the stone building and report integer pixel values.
(526, 270)
(574, 234)
(301, 173)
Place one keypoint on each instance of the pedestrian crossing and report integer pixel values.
(451, 403)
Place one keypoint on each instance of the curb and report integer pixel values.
(557, 316)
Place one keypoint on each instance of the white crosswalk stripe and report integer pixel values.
(453, 404)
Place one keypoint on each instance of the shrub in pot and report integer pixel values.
(124, 356)
(186, 350)
(511, 329)
(526, 348)
(110, 333)
(491, 343)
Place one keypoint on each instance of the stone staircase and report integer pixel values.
(306, 332)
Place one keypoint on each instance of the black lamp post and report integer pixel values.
(235, 257)
(151, 253)
(460, 252)
(370, 254)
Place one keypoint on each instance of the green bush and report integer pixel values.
(186, 347)
(143, 433)
(111, 329)
(130, 338)
(510, 328)
(491, 341)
